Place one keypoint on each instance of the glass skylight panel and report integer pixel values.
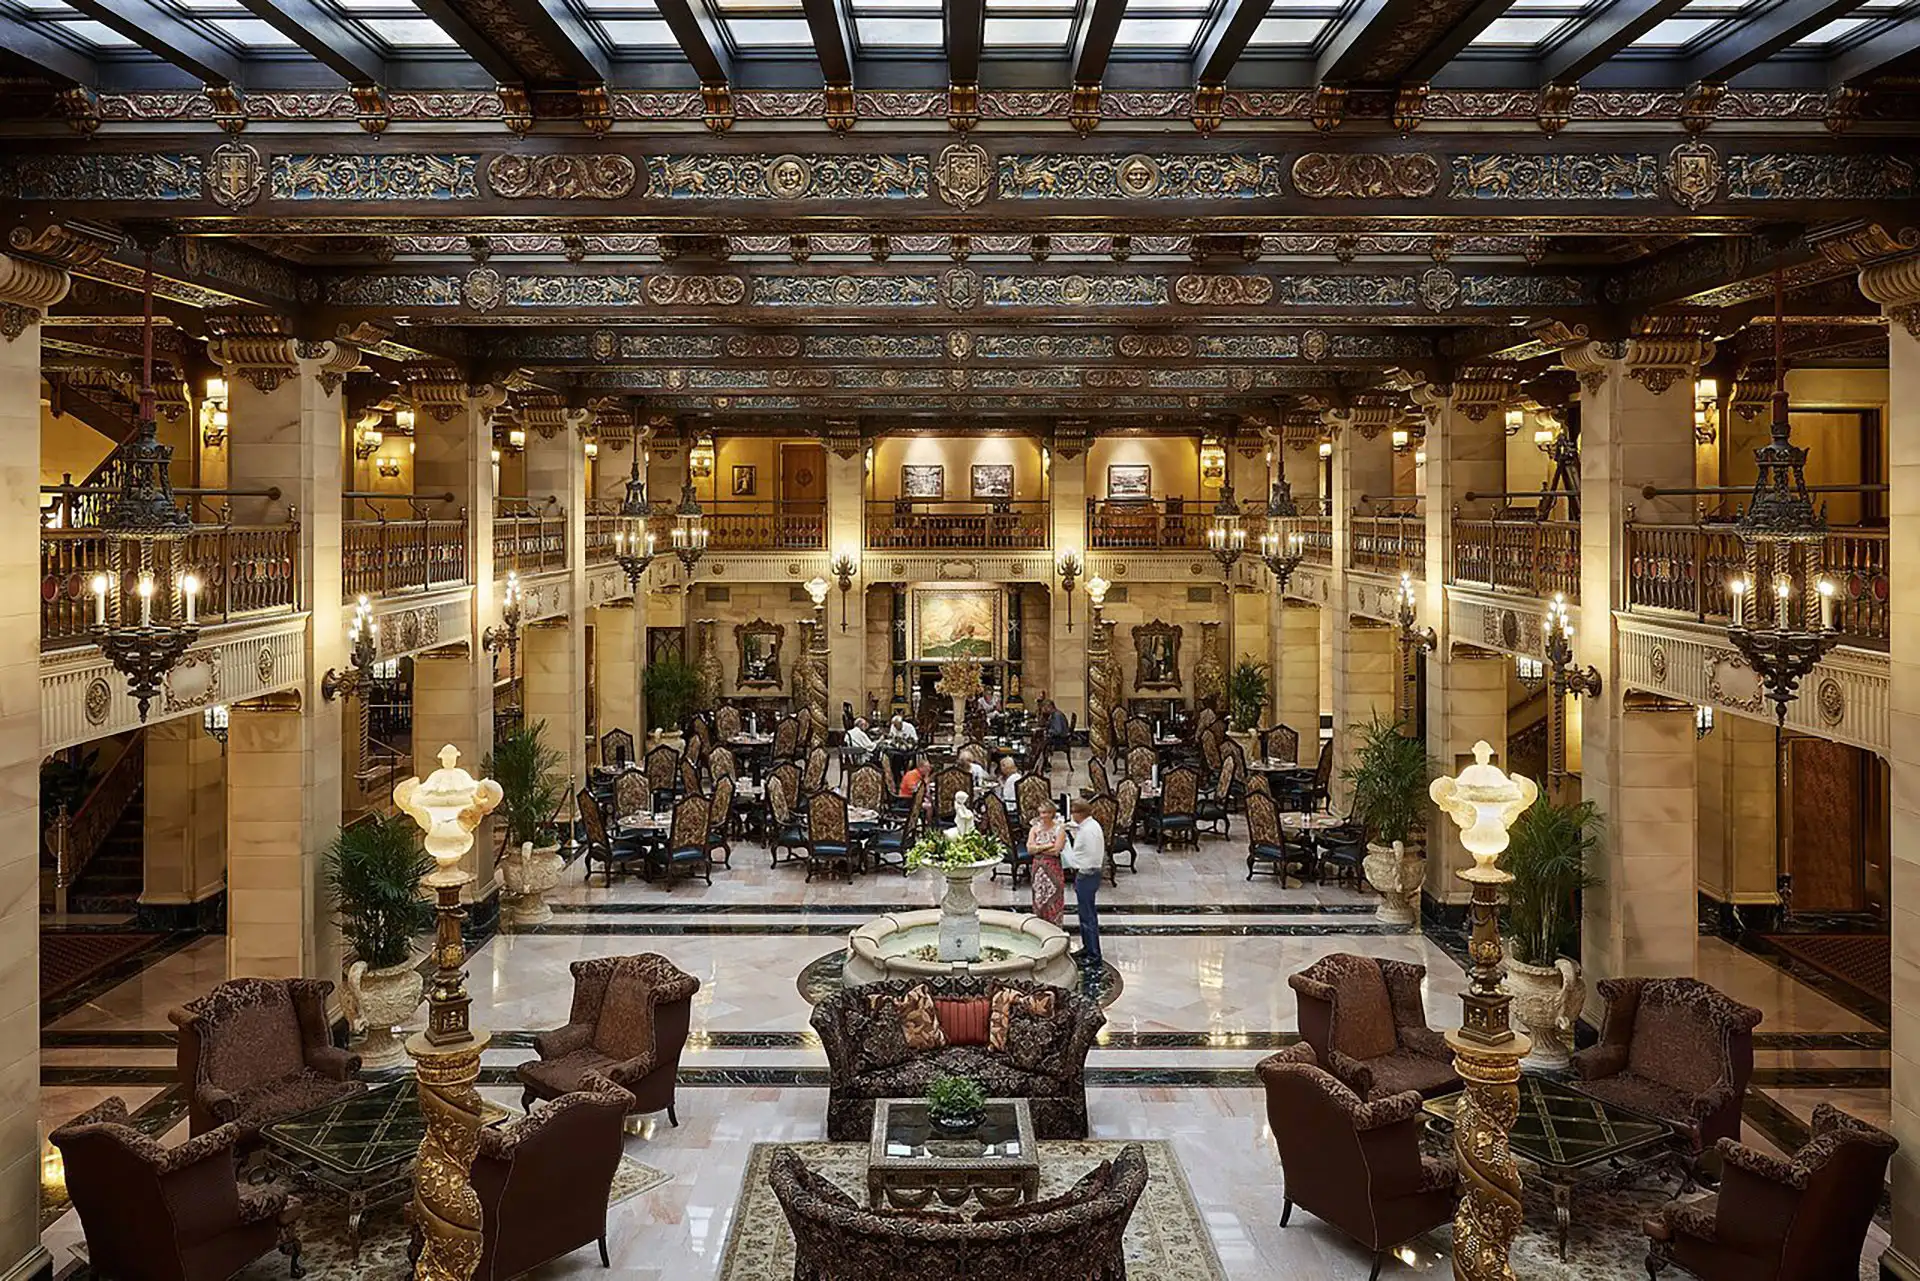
(1675, 33)
(1287, 32)
(770, 33)
(1157, 33)
(637, 33)
(893, 33)
(1027, 32)
(1835, 30)
(97, 34)
(1518, 32)
(250, 33)
(409, 33)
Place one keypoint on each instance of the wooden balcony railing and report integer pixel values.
(1686, 569)
(1538, 557)
(383, 557)
(243, 570)
(528, 539)
(1316, 533)
(73, 839)
(957, 523)
(1172, 523)
(1395, 544)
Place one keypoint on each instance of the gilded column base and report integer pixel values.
(1488, 1217)
(445, 1208)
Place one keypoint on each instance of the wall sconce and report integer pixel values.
(516, 438)
(217, 718)
(1543, 438)
(368, 444)
(593, 449)
(213, 414)
(1706, 410)
(1326, 449)
(845, 566)
(496, 456)
(1420, 457)
(1516, 419)
(403, 420)
(363, 649)
(1213, 462)
(1069, 567)
(1702, 720)
(1402, 440)
(700, 458)
(389, 468)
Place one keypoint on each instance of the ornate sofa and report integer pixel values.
(628, 1023)
(1043, 1060)
(255, 1050)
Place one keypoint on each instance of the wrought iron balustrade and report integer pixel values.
(528, 538)
(1394, 544)
(1686, 568)
(1538, 557)
(244, 570)
(72, 840)
(906, 524)
(383, 557)
(1146, 524)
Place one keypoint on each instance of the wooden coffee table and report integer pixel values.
(912, 1163)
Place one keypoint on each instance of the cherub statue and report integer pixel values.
(963, 820)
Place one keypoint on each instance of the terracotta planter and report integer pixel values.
(377, 1001)
(528, 874)
(1398, 873)
(1546, 1000)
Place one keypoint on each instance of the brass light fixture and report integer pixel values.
(1227, 536)
(1282, 563)
(389, 468)
(1413, 639)
(1069, 566)
(1515, 420)
(845, 566)
(632, 540)
(1706, 410)
(363, 650)
(507, 635)
(1563, 679)
(368, 443)
(216, 720)
(690, 532)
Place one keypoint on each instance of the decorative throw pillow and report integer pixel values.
(625, 1027)
(919, 1021)
(1093, 1183)
(963, 1020)
(1037, 1045)
(1006, 1000)
(879, 1040)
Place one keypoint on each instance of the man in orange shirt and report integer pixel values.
(911, 780)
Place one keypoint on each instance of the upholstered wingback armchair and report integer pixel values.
(1366, 1024)
(1355, 1164)
(1076, 1234)
(1803, 1219)
(543, 1181)
(628, 1023)
(168, 1214)
(255, 1050)
(1676, 1049)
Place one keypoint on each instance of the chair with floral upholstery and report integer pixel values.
(1363, 1017)
(628, 1023)
(1281, 743)
(1676, 1049)
(726, 723)
(828, 846)
(631, 795)
(721, 764)
(948, 782)
(813, 777)
(663, 770)
(788, 837)
(1141, 762)
(168, 1214)
(613, 853)
(1098, 781)
(255, 1050)
(1354, 1164)
(786, 740)
(1126, 820)
(867, 788)
(720, 821)
(1269, 847)
(1801, 1219)
(1030, 793)
(889, 847)
(1178, 823)
(684, 852)
(616, 747)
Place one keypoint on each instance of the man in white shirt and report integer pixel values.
(1086, 857)
(860, 741)
(902, 731)
(1009, 782)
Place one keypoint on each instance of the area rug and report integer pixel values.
(1863, 961)
(1166, 1237)
(68, 959)
(822, 977)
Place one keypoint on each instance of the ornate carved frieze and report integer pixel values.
(398, 176)
(873, 347)
(1155, 346)
(515, 176)
(1141, 176)
(789, 177)
(1322, 175)
(1513, 176)
(1693, 174)
(392, 291)
(577, 291)
(963, 175)
(1345, 291)
(784, 346)
(1223, 291)
(235, 175)
(1044, 346)
(845, 291)
(1074, 291)
(1818, 176)
(94, 176)
(696, 291)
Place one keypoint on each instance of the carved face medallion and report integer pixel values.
(789, 176)
(1138, 176)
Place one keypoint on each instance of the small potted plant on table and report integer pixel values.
(956, 1104)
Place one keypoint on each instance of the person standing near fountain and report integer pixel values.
(1046, 837)
(1086, 858)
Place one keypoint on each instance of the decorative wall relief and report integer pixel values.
(561, 177)
(392, 291)
(788, 177)
(845, 291)
(1075, 291)
(397, 176)
(1693, 174)
(963, 175)
(1163, 176)
(1321, 175)
(872, 347)
(1223, 291)
(1731, 682)
(1818, 176)
(1344, 291)
(153, 176)
(1505, 176)
(194, 681)
(1043, 346)
(235, 175)
(696, 291)
(575, 291)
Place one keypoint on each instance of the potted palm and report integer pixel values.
(671, 686)
(1388, 778)
(1248, 689)
(1547, 856)
(532, 789)
(373, 870)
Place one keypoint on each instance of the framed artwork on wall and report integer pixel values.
(993, 480)
(950, 623)
(928, 481)
(1129, 482)
(746, 480)
(1156, 655)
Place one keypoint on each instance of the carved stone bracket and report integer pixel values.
(1658, 363)
(27, 289)
(1083, 108)
(1209, 107)
(265, 359)
(331, 361)
(1895, 285)
(718, 103)
(1861, 241)
(73, 245)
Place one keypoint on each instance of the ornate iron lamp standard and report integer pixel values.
(1413, 639)
(690, 532)
(1227, 536)
(1563, 679)
(1483, 802)
(1069, 566)
(448, 806)
(845, 565)
(507, 635)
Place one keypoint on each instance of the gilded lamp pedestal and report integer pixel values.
(1483, 802)
(448, 806)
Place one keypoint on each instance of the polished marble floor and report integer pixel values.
(1204, 955)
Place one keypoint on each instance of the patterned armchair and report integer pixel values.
(828, 844)
(1030, 793)
(1354, 1164)
(168, 1214)
(1044, 1062)
(867, 788)
(628, 1024)
(663, 768)
(631, 795)
(1097, 778)
(1802, 1219)
(890, 846)
(1178, 823)
(616, 747)
(1269, 848)
(720, 821)
(255, 1050)
(948, 782)
(613, 853)
(1140, 763)
(1676, 1049)
(726, 723)
(1126, 816)
(1365, 1022)
(789, 832)
(814, 777)
(721, 764)
(786, 739)
(1281, 743)
(1076, 1234)
(685, 850)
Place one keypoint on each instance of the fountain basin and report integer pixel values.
(884, 948)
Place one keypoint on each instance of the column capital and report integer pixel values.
(444, 392)
(330, 361)
(258, 348)
(1368, 420)
(1656, 361)
(1476, 398)
(27, 289)
(1895, 285)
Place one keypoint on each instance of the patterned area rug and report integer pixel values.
(822, 977)
(1864, 961)
(1166, 1237)
(69, 959)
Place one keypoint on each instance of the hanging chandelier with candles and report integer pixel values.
(1227, 537)
(1281, 549)
(1784, 536)
(145, 532)
(690, 532)
(632, 540)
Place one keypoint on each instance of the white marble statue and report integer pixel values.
(963, 820)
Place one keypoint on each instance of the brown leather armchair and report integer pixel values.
(1365, 1022)
(255, 1050)
(1675, 1049)
(543, 1181)
(628, 1023)
(1803, 1219)
(1355, 1164)
(168, 1214)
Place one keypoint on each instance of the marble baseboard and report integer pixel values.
(1729, 921)
(208, 916)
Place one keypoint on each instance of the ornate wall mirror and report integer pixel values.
(1156, 655)
(759, 645)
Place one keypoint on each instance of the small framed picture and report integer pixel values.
(993, 480)
(1129, 482)
(745, 481)
(923, 481)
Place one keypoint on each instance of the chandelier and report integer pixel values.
(1227, 538)
(144, 530)
(1785, 539)
(690, 531)
(632, 541)
(1282, 552)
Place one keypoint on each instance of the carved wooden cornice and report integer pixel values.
(27, 289)
(1656, 362)
(1895, 285)
(72, 245)
(265, 360)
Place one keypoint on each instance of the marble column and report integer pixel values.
(616, 675)
(1365, 656)
(1636, 752)
(184, 835)
(1067, 483)
(26, 288)
(551, 689)
(1896, 286)
(1297, 675)
(847, 675)
(556, 467)
(273, 888)
(1739, 791)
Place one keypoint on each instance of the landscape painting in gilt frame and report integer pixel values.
(950, 623)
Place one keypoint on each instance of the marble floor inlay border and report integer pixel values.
(822, 929)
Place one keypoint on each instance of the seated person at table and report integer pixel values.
(1057, 726)
(911, 780)
(859, 738)
(902, 730)
(975, 770)
(989, 702)
(846, 715)
(1009, 781)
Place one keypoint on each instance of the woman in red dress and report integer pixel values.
(1046, 837)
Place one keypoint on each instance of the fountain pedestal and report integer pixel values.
(960, 913)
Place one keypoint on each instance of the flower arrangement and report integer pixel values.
(960, 678)
(939, 850)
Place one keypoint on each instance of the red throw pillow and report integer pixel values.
(964, 1019)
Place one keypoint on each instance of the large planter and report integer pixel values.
(960, 912)
(668, 738)
(1398, 873)
(707, 670)
(377, 1001)
(1546, 999)
(528, 874)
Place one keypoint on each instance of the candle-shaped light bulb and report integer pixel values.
(146, 598)
(99, 586)
(1827, 592)
(1738, 588)
(190, 589)
(1782, 589)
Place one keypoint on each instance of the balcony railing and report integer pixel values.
(528, 539)
(1393, 544)
(243, 570)
(384, 557)
(1172, 523)
(956, 523)
(1686, 569)
(1538, 557)
(1316, 536)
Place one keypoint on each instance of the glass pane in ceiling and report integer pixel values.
(1838, 29)
(408, 33)
(882, 34)
(1169, 35)
(1518, 32)
(1011, 27)
(1296, 31)
(637, 34)
(1675, 33)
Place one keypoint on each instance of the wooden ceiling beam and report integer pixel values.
(1754, 40)
(1600, 37)
(166, 37)
(325, 38)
